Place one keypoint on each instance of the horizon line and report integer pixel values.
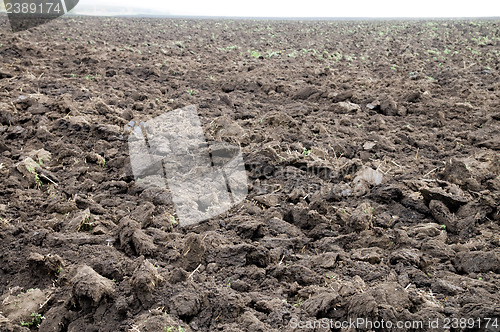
(141, 15)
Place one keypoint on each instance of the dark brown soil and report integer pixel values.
(372, 152)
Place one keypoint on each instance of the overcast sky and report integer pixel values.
(314, 8)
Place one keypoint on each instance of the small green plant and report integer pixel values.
(101, 161)
(255, 54)
(228, 48)
(173, 329)
(443, 227)
(299, 303)
(36, 320)
(87, 224)
(270, 54)
(173, 221)
(191, 92)
(306, 152)
(31, 169)
(228, 282)
(38, 182)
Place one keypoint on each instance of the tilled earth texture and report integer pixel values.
(371, 151)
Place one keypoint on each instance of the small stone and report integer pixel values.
(346, 107)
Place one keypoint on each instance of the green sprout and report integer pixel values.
(191, 92)
(87, 225)
(255, 54)
(38, 182)
(101, 161)
(173, 221)
(306, 152)
(172, 329)
(36, 320)
(299, 303)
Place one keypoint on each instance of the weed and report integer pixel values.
(337, 56)
(87, 224)
(101, 161)
(229, 48)
(299, 303)
(270, 54)
(38, 182)
(173, 221)
(306, 152)
(255, 54)
(443, 227)
(31, 169)
(191, 92)
(36, 320)
(173, 329)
